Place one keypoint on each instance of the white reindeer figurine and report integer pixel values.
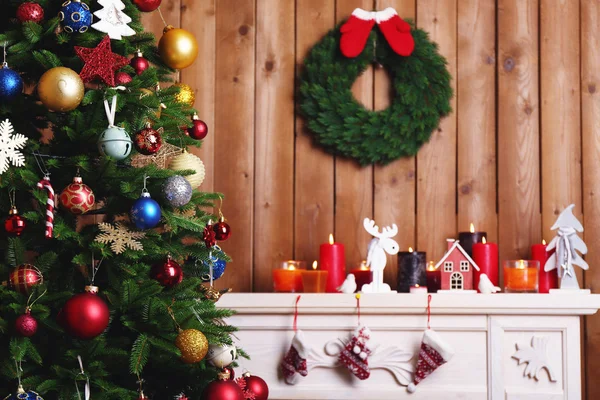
(376, 259)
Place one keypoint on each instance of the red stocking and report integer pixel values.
(293, 364)
(355, 353)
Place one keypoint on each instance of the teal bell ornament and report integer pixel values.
(115, 142)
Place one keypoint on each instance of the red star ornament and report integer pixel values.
(100, 62)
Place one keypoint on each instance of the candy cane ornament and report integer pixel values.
(45, 184)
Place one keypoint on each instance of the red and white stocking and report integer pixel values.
(356, 352)
(355, 32)
(434, 353)
(396, 31)
(294, 364)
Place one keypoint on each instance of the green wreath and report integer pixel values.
(344, 127)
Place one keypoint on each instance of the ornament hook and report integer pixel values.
(87, 381)
(145, 189)
(4, 63)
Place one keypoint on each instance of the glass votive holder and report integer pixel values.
(314, 280)
(521, 276)
(288, 277)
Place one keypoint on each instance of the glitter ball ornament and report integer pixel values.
(14, 223)
(147, 5)
(177, 191)
(222, 230)
(11, 83)
(148, 141)
(60, 89)
(23, 394)
(30, 12)
(26, 325)
(221, 355)
(188, 161)
(115, 142)
(123, 78)
(208, 236)
(228, 373)
(85, 315)
(257, 386)
(167, 273)
(193, 345)
(139, 63)
(222, 389)
(218, 270)
(177, 47)
(24, 277)
(145, 212)
(199, 130)
(186, 94)
(75, 16)
(78, 198)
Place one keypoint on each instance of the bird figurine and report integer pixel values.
(486, 286)
(349, 285)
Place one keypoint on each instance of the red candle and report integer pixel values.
(363, 275)
(434, 278)
(547, 280)
(332, 258)
(485, 256)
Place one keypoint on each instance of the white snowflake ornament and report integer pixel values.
(119, 237)
(112, 19)
(10, 144)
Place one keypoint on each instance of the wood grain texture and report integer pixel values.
(274, 139)
(353, 183)
(199, 17)
(476, 106)
(436, 161)
(518, 129)
(590, 83)
(395, 184)
(234, 145)
(314, 179)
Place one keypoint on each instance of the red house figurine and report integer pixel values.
(456, 268)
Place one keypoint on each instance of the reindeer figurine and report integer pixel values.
(376, 259)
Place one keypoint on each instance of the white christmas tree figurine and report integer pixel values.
(567, 245)
(112, 19)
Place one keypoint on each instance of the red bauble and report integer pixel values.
(122, 78)
(14, 224)
(139, 63)
(222, 230)
(209, 235)
(230, 371)
(147, 5)
(222, 390)
(142, 396)
(26, 325)
(199, 130)
(148, 141)
(77, 198)
(85, 315)
(257, 386)
(24, 277)
(100, 62)
(167, 273)
(30, 12)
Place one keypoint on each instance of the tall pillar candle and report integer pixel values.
(468, 239)
(411, 270)
(485, 256)
(434, 278)
(546, 280)
(332, 258)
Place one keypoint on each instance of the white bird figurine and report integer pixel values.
(349, 285)
(486, 286)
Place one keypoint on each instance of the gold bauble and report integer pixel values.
(189, 161)
(177, 47)
(61, 89)
(193, 345)
(186, 94)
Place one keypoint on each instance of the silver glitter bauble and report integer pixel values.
(177, 191)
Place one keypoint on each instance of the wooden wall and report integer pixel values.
(522, 143)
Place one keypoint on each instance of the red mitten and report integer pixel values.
(396, 31)
(434, 353)
(355, 32)
(355, 353)
(293, 364)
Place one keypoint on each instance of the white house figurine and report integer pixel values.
(376, 258)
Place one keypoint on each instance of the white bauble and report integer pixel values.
(189, 161)
(221, 356)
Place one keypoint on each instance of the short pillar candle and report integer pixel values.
(485, 256)
(314, 280)
(411, 270)
(332, 258)
(521, 276)
(288, 278)
(434, 278)
(363, 275)
(547, 280)
(468, 239)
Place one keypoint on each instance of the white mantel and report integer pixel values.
(483, 329)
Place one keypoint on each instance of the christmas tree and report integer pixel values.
(98, 192)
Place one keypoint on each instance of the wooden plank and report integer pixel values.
(436, 161)
(518, 129)
(354, 184)
(274, 139)
(590, 84)
(314, 180)
(234, 143)
(476, 110)
(199, 18)
(394, 198)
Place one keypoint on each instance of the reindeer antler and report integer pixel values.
(390, 232)
(373, 229)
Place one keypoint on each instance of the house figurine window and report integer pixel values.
(456, 281)
(448, 266)
(464, 266)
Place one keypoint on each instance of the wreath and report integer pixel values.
(420, 83)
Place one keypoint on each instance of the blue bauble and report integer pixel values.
(11, 84)
(145, 212)
(75, 16)
(218, 270)
(24, 395)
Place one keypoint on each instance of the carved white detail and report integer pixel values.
(535, 356)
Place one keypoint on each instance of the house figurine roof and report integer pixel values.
(451, 248)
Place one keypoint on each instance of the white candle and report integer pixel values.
(418, 289)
